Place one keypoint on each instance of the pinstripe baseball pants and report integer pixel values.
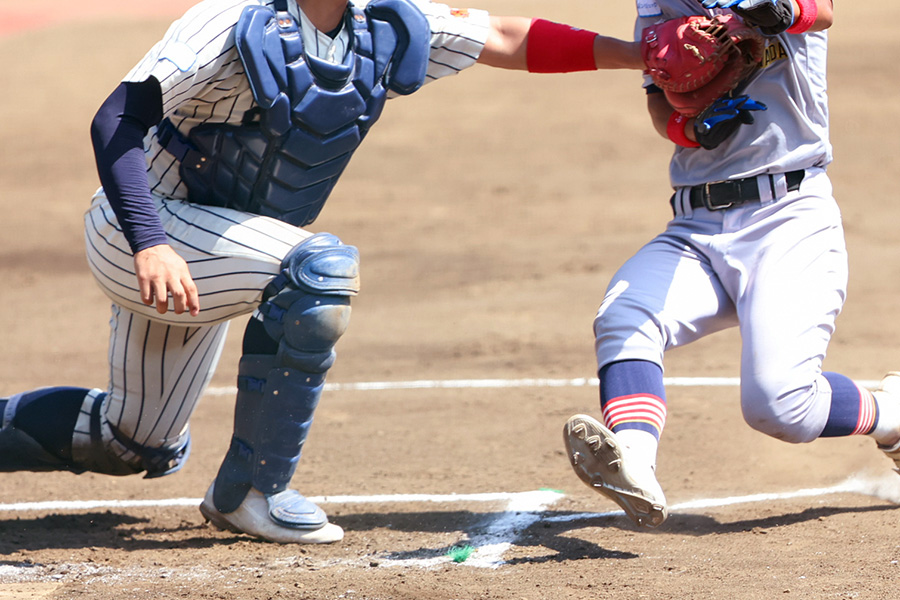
(160, 365)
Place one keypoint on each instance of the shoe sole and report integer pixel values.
(215, 518)
(596, 457)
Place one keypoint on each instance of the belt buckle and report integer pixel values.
(707, 197)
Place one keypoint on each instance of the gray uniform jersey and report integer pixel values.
(791, 134)
(775, 267)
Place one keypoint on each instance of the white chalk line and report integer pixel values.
(70, 505)
(884, 488)
(424, 384)
(523, 509)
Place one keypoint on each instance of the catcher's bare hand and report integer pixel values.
(161, 271)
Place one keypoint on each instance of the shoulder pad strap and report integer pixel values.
(410, 62)
(258, 37)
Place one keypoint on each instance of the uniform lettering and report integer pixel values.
(774, 52)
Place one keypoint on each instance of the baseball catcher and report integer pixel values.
(214, 153)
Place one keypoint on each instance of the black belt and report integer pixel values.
(725, 194)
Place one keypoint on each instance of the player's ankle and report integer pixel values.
(887, 429)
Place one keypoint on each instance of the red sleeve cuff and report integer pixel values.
(557, 48)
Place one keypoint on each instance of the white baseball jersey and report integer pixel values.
(202, 78)
(788, 135)
(160, 364)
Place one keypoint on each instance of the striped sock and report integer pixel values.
(632, 397)
(854, 410)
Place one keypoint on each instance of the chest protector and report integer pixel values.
(288, 153)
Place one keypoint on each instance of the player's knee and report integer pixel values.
(315, 323)
(625, 327)
(68, 429)
(109, 450)
(783, 412)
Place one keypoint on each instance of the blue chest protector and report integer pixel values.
(287, 155)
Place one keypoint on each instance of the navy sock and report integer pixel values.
(49, 415)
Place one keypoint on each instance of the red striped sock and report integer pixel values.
(639, 411)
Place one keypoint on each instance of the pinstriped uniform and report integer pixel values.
(160, 364)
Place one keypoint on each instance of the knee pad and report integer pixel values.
(308, 308)
(322, 264)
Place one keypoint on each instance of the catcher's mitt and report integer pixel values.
(697, 59)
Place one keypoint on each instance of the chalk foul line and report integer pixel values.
(503, 529)
(432, 384)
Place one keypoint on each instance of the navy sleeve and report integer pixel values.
(117, 133)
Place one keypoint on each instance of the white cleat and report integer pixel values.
(285, 518)
(890, 385)
(601, 462)
(892, 452)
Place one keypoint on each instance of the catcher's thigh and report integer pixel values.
(232, 257)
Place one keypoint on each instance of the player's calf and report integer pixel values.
(288, 349)
(66, 429)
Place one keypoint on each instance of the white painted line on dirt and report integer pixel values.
(885, 488)
(523, 510)
(500, 532)
(431, 384)
(66, 505)
(385, 498)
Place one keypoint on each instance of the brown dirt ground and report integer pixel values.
(490, 210)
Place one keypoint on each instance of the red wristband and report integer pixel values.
(557, 48)
(675, 130)
(809, 10)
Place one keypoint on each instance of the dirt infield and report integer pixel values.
(490, 212)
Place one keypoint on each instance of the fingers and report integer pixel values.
(185, 298)
(153, 292)
(162, 297)
(193, 298)
(161, 274)
(179, 299)
(754, 105)
(146, 291)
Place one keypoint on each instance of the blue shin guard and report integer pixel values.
(278, 393)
